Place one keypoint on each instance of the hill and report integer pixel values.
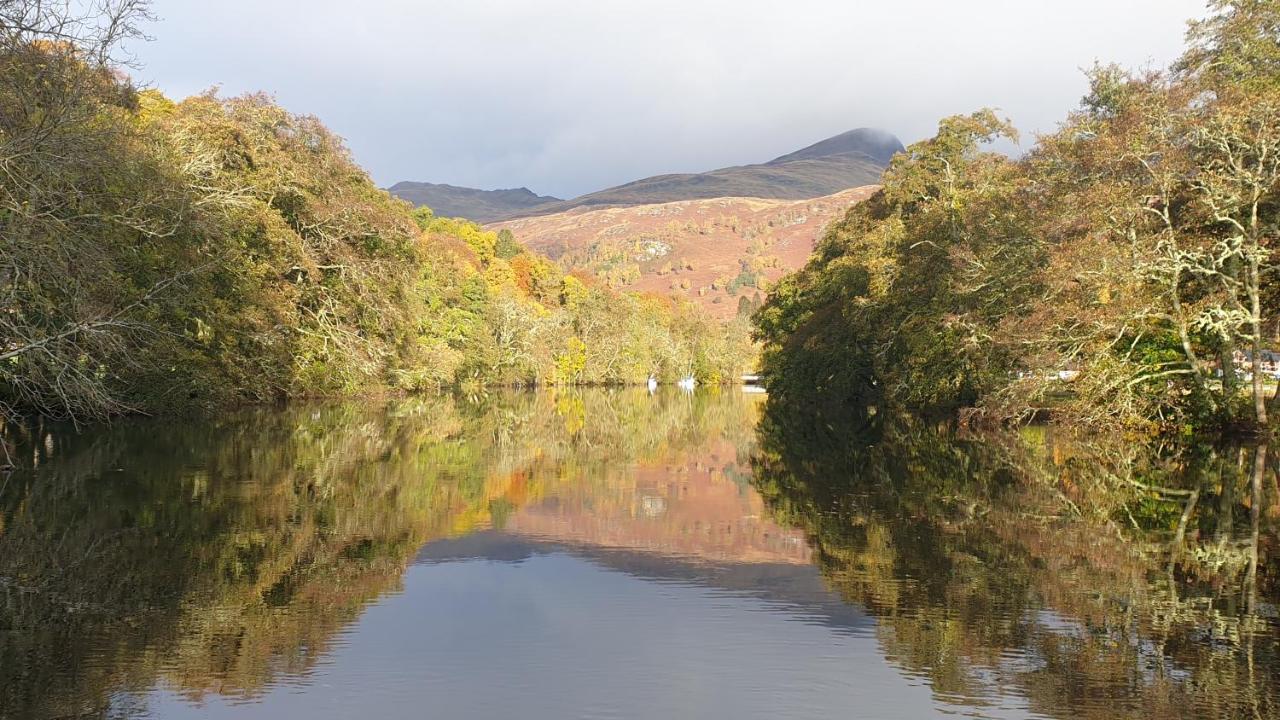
(851, 159)
(719, 252)
(478, 205)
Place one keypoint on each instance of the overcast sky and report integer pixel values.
(570, 96)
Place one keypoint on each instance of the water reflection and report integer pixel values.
(218, 557)
(1094, 579)
(615, 554)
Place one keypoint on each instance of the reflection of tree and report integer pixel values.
(215, 557)
(165, 550)
(1033, 566)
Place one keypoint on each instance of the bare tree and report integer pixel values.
(63, 132)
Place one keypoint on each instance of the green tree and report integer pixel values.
(506, 246)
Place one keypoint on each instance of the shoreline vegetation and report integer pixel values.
(1110, 273)
(162, 256)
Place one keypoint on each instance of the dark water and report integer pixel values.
(615, 555)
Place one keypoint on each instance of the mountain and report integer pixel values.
(712, 251)
(718, 238)
(852, 159)
(478, 205)
(878, 146)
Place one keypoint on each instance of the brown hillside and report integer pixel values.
(713, 251)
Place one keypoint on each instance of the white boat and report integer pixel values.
(686, 384)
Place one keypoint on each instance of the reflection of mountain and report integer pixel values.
(220, 560)
(697, 505)
(797, 587)
(220, 557)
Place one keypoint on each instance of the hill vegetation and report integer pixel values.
(158, 256)
(1110, 275)
(722, 254)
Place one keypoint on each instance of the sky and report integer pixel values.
(569, 96)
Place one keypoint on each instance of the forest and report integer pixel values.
(1119, 274)
(161, 256)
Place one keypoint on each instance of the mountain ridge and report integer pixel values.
(855, 158)
(479, 205)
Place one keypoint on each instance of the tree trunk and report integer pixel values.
(1273, 405)
(1259, 399)
(1187, 348)
(1227, 363)
(1255, 514)
(1227, 353)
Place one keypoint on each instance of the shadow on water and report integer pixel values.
(1094, 578)
(222, 559)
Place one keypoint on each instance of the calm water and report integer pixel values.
(615, 555)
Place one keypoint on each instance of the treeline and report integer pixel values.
(157, 255)
(1110, 275)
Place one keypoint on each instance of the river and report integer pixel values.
(616, 554)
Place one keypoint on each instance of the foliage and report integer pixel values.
(885, 307)
(1111, 274)
(158, 256)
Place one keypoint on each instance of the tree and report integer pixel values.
(66, 145)
(506, 246)
(1110, 274)
(1237, 178)
(159, 255)
(901, 295)
(1237, 45)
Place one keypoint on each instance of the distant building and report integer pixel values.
(1270, 362)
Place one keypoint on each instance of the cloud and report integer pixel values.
(568, 96)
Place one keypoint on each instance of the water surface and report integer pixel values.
(611, 554)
